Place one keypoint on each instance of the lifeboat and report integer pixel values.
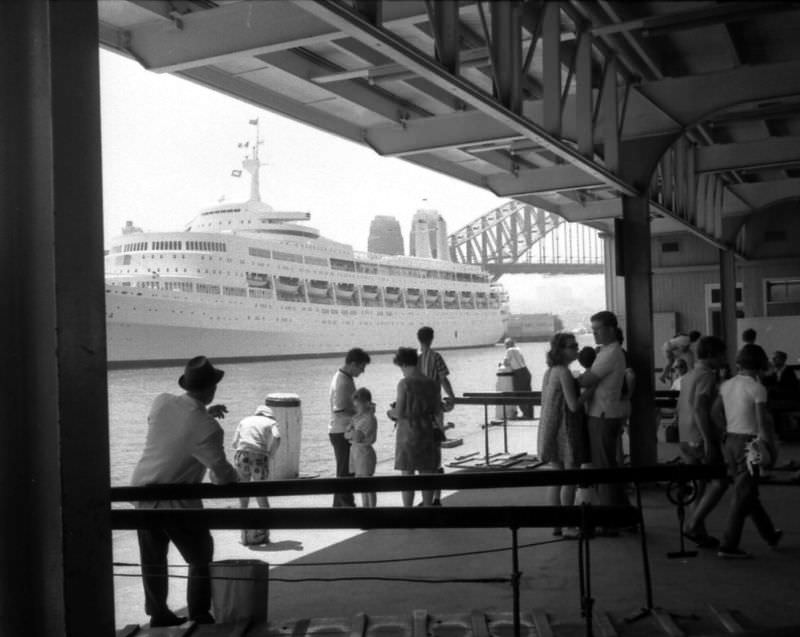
(345, 291)
(259, 280)
(431, 296)
(391, 294)
(288, 285)
(480, 299)
(369, 292)
(450, 298)
(466, 299)
(412, 295)
(317, 288)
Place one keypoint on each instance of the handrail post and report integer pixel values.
(486, 432)
(648, 583)
(515, 579)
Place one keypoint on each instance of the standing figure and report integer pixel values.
(432, 365)
(605, 407)
(700, 439)
(343, 387)
(183, 441)
(255, 442)
(416, 410)
(362, 433)
(741, 406)
(560, 396)
(520, 375)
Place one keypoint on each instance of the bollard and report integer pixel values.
(286, 411)
(505, 383)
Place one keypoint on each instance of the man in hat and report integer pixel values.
(183, 441)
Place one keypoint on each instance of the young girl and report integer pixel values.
(362, 433)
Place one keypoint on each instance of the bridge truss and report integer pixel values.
(520, 238)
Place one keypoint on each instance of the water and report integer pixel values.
(246, 385)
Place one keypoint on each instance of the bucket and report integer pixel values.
(239, 590)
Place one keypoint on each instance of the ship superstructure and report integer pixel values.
(245, 281)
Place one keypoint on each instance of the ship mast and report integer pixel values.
(252, 165)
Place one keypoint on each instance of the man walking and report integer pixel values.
(342, 410)
(520, 375)
(606, 411)
(700, 441)
(183, 441)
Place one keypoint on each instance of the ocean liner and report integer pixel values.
(248, 282)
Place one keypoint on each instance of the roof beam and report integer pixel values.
(242, 28)
(351, 23)
(763, 193)
(541, 181)
(768, 153)
(681, 20)
(427, 134)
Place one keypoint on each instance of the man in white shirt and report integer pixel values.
(183, 441)
(520, 375)
(343, 387)
(606, 410)
(741, 408)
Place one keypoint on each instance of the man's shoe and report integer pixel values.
(204, 618)
(733, 554)
(773, 544)
(703, 541)
(166, 620)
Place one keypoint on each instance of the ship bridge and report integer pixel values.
(673, 127)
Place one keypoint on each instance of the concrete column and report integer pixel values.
(55, 540)
(727, 289)
(639, 323)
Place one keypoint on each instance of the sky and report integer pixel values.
(170, 146)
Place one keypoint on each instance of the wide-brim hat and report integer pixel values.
(200, 374)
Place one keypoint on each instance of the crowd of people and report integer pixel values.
(583, 414)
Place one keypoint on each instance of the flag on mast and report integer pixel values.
(254, 122)
(236, 173)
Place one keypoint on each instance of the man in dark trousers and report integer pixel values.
(183, 441)
(343, 387)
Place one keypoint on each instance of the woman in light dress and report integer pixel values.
(560, 440)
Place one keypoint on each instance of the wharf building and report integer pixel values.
(685, 156)
(385, 236)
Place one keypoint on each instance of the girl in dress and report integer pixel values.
(362, 433)
(557, 444)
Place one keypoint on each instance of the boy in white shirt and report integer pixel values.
(741, 408)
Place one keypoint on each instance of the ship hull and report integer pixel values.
(146, 328)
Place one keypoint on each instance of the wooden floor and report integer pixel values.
(537, 623)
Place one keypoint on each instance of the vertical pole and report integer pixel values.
(551, 72)
(639, 323)
(648, 580)
(486, 431)
(727, 288)
(583, 95)
(608, 106)
(515, 578)
(507, 46)
(55, 538)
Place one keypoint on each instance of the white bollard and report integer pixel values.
(287, 412)
(504, 383)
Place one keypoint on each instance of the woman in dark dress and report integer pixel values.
(415, 410)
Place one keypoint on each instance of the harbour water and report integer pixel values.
(246, 384)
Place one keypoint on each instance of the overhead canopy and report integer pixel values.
(531, 100)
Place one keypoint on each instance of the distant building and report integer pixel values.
(129, 228)
(429, 236)
(385, 236)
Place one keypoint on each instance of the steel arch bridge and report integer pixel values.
(520, 238)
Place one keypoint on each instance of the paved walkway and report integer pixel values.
(765, 588)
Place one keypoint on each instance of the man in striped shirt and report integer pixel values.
(431, 363)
